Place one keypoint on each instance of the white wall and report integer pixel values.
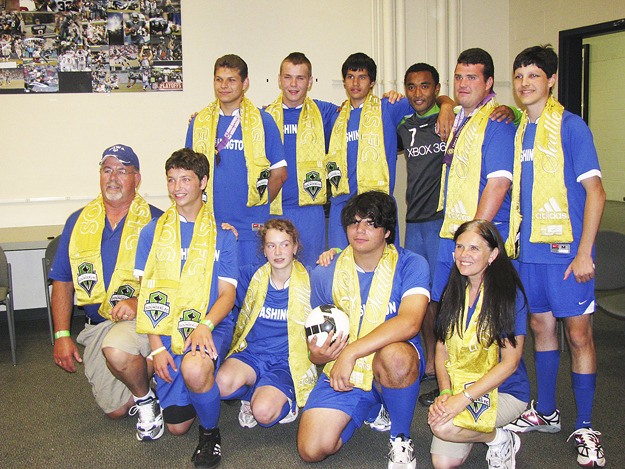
(605, 113)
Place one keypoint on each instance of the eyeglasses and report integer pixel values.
(119, 171)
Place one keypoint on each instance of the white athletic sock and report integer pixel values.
(147, 396)
(500, 437)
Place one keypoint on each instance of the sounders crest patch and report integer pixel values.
(122, 293)
(479, 406)
(87, 277)
(188, 322)
(313, 184)
(262, 182)
(156, 307)
(334, 174)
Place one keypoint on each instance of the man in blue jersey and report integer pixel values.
(306, 125)
(384, 290)
(245, 151)
(188, 272)
(478, 160)
(94, 263)
(557, 191)
(363, 146)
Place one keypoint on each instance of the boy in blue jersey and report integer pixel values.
(561, 210)
(376, 370)
(245, 151)
(368, 159)
(188, 268)
(307, 125)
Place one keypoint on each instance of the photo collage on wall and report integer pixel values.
(90, 46)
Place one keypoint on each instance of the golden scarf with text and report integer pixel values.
(86, 260)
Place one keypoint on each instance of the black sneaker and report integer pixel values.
(427, 399)
(207, 455)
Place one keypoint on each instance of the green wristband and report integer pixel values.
(444, 391)
(209, 323)
(59, 334)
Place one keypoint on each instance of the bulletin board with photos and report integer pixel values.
(90, 46)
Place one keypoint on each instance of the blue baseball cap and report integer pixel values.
(123, 153)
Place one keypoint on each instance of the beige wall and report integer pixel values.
(605, 113)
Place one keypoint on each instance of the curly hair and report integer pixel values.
(280, 224)
(375, 205)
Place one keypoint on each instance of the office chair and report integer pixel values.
(6, 299)
(610, 272)
(47, 283)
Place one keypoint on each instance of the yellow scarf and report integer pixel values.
(549, 194)
(172, 301)
(463, 182)
(86, 259)
(346, 295)
(372, 169)
(469, 360)
(310, 151)
(303, 371)
(204, 134)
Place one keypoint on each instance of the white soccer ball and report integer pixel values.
(324, 319)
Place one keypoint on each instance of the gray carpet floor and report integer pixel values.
(49, 419)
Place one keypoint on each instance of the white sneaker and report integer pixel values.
(589, 450)
(401, 453)
(503, 456)
(150, 422)
(246, 418)
(382, 422)
(292, 415)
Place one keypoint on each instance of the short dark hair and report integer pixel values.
(375, 205)
(185, 158)
(234, 62)
(297, 58)
(360, 61)
(477, 56)
(422, 67)
(544, 57)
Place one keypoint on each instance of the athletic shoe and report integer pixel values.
(207, 455)
(382, 422)
(401, 453)
(589, 450)
(532, 420)
(503, 456)
(427, 399)
(150, 422)
(292, 415)
(246, 418)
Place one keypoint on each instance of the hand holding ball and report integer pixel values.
(325, 319)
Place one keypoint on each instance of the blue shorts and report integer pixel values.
(442, 269)
(358, 404)
(270, 371)
(424, 239)
(176, 392)
(547, 291)
(310, 222)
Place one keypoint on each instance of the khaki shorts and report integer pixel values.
(508, 409)
(110, 393)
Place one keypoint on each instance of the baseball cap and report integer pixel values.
(123, 153)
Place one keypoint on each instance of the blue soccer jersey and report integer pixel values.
(230, 187)
(412, 277)
(392, 115)
(62, 270)
(308, 219)
(580, 162)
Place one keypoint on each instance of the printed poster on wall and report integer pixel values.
(90, 46)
